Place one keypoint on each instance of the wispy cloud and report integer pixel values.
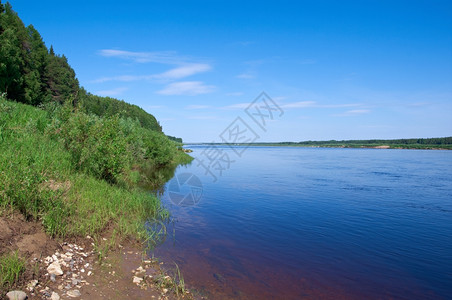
(300, 104)
(172, 74)
(190, 88)
(165, 57)
(184, 67)
(354, 112)
(184, 71)
(112, 92)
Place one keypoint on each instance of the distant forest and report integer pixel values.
(421, 143)
(33, 74)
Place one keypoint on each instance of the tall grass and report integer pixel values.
(11, 267)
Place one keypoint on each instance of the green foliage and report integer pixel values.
(80, 173)
(106, 106)
(29, 73)
(175, 139)
(11, 267)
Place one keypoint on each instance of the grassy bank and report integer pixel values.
(80, 174)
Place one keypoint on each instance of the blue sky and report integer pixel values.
(338, 69)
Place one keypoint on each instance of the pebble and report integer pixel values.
(137, 280)
(55, 268)
(74, 293)
(32, 284)
(55, 296)
(16, 295)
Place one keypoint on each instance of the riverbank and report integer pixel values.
(49, 268)
(66, 175)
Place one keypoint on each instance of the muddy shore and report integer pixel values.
(73, 269)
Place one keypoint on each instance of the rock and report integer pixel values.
(55, 296)
(165, 291)
(32, 284)
(16, 295)
(74, 293)
(52, 277)
(137, 280)
(89, 273)
(55, 268)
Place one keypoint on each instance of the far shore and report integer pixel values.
(406, 147)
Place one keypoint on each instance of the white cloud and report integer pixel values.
(165, 57)
(300, 104)
(340, 105)
(354, 112)
(112, 92)
(184, 71)
(190, 88)
(176, 73)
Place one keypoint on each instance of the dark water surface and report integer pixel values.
(318, 223)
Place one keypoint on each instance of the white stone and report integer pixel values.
(16, 295)
(55, 268)
(55, 296)
(137, 280)
(140, 269)
(31, 285)
(74, 293)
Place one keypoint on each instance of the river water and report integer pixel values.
(313, 223)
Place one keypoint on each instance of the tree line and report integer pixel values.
(33, 74)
